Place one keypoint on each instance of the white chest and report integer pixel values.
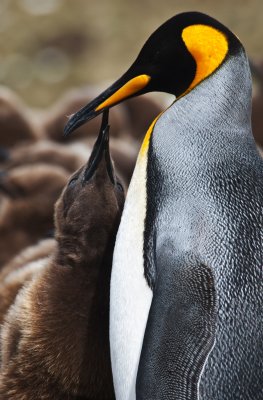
(130, 297)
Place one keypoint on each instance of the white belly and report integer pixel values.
(130, 296)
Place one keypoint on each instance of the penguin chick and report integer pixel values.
(42, 249)
(20, 270)
(15, 123)
(55, 338)
(28, 196)
(71, 156)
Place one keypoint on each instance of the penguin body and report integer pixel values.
(186, 286)
(207, 208)
(55, 337)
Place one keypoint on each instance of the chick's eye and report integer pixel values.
(73, 181)
(119, 187)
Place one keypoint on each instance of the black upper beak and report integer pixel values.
(129, 85)
(100, 150)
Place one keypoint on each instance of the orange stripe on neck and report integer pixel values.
(209, 48)
(146, 140)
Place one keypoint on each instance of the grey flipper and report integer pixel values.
(179, 333)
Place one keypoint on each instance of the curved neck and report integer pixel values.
(215, 112)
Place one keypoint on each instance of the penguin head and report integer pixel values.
(180, 54)
(93, 199)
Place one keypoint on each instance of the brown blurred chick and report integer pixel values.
(21, 269)
(16, 125)
(45, 151)
(27, 198)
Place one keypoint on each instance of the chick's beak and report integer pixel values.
(100, 150)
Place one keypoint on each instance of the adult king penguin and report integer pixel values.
(186, 287)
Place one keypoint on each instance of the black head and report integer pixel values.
(181, 53)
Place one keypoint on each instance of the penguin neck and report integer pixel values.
(225, 94)
(208, 120)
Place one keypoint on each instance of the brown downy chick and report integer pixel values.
(55, 338)
(45, 151)
(21, 269)
(44, 248)
(27, 198)
(16, 125)
(71, 156)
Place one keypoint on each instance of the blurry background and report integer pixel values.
(55, 57)
(47, 46)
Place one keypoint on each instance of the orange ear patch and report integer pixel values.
(208, 46)
(131, 87)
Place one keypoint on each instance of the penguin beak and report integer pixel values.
(100, 150)
(127, 86)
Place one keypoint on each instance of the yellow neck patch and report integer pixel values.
(208, 46)
(146, 140)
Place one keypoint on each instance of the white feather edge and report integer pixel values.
(130, 296)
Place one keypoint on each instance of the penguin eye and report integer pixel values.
(73, 181)
(119, 187)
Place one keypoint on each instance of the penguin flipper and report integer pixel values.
(179, 333)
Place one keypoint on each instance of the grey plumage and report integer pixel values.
(204, 208)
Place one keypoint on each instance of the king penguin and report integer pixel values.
(186, 285)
